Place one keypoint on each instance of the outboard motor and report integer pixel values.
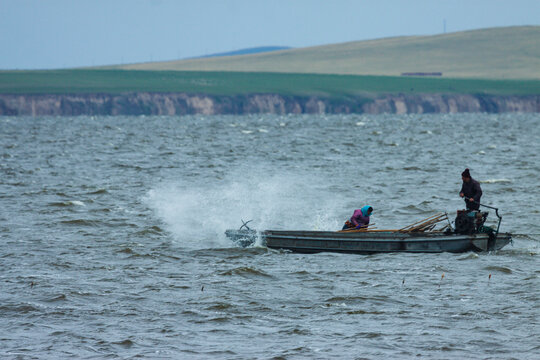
(468, 222)
(244, 236)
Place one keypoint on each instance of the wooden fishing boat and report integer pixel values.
(469, 235)
(365, 242)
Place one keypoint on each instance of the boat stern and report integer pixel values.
(485, 243)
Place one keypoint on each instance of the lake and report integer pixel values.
(113, 240)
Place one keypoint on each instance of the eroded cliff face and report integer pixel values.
(185, 104)
(436, 103)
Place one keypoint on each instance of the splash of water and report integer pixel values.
(198, 214)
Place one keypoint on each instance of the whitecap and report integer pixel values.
(494, 181)
(263, 130)
(360, 123)
(247, 132)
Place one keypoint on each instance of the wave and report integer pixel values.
(98, 192)
(67, 203)
(502, 269)
(22, 308)
(59, 297)
(81, 222)
(153, 230)
(495, 181)
(246, 272)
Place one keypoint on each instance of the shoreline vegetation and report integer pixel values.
(241, 83)
(486, 70)
(135, 92)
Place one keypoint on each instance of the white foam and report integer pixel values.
(198, 215)
(494, 181)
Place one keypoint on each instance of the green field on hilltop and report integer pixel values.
(238, 83)
(496, 53)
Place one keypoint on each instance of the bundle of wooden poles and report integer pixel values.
(427, 224)
(368, 227)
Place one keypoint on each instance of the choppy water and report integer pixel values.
(112, 240)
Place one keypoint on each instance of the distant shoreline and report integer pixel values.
(156, 103)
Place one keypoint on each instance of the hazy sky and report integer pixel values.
(68, 33)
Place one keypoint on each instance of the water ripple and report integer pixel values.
(113, 244)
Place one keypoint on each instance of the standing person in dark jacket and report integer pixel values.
(471, 191)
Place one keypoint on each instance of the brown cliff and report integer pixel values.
(184, 104)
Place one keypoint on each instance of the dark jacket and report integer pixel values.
(473, 190)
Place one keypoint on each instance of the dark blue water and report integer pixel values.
(112, 241)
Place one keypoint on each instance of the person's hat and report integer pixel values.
(466, 173)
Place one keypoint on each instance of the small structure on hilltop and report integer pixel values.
(421, 74)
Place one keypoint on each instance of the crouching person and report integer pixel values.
(359, 219)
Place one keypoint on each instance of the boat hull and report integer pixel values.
(372, 242)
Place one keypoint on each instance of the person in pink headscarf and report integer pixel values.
(359, 219)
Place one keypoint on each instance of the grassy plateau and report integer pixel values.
(238, 83)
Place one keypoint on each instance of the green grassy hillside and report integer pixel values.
(498, 53)
(235, 83)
